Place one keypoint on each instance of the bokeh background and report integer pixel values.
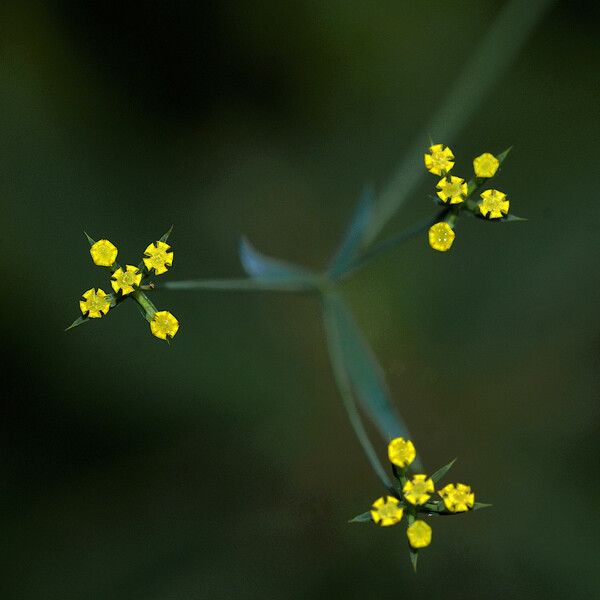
(224, 466)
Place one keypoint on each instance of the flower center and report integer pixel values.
(493, 201)
(442, 235)
(97, 303)
(439, 159)
(460, 497)
(388, 511)
(454, 189)
(158, 258)
(128, 278)
(419, 488)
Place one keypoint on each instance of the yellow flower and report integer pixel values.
(493, 204)
(164, 325)
(416, 490)
(95, 303)
(419, 534)
(485, 165)
(401, 452)
(439, 160)
(158, 258)
(386, 511)
(441, 236)
(104, 253)
(126, 280)
(457, 498)
(452, 190)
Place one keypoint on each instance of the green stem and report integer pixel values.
(392, 242)
(489, 61)
(247, 284)
(342, 380)
(145, 304)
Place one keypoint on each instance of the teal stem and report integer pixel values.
(392, 242)
(489, 61)
(342, 380)
(241, 285)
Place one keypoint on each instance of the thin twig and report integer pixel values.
(393, 241)
(490, 60)
(342, 380)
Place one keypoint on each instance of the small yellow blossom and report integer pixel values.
(493, 204)
(386, 511)
(158, 258)
(419, 534)
(441, 236)
(416, 491)
(126, 280)
(457, 498)
(452, 190)
(485, 165)
(95, 303)
(401, 452)
(164, 325)
(104, 253)
(439, 160)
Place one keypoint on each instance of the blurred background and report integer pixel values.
(224, 466)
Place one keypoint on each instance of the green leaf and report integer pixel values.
(89, 239)
(479, 505)
(414, 555)
(267, 269)
(365, 373)
(362, 518)
(342, 380)
(510, 218)
(435, 507)
(77, 322)
(501, 157)
(165, 236)
(440, 473)
(354, 235)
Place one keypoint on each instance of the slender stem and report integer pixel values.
(239, 285)
(145, 303)
(393, 241)
(489, 61)
(342, 380)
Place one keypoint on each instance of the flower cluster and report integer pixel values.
(413, 496)
(127, 282)
(455, 193)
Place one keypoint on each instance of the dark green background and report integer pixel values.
(224, 467)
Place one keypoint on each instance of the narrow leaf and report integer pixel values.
(414, 555)
(165, 237)
(268, 269)
(508, 218)
(479, 505)
(504, 154)
(440, 473)
(89, 239)
(353, 239)
(342, 379)
(77, 322)
(366, 374)
(362, 518)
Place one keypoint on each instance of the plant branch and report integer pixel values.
(488, 63)
(393, 241)
(249, 285)
(342, 380)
